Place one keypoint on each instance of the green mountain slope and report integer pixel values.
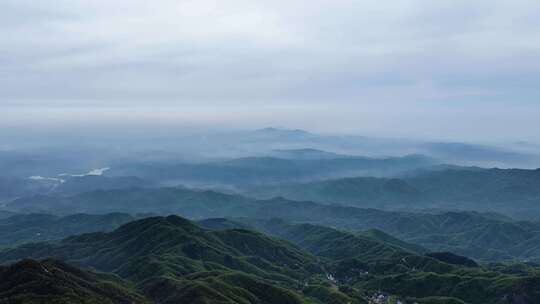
(222, 224)
(327, 242)
(355, 191)
(25, 228)
(514, 192)
(190, 203)
(373, 265)
(165, 251)
(466, 233)
(481, 236)
(50, 281)
(384, 237)
(171, 260)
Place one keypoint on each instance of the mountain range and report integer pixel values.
(270, 216)
(170, 259)
(515, 192)
(484, 236)
(52, 281)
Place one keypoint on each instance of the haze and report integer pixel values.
(270, 152)
(445, 70)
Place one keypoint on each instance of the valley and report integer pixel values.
(292, 226)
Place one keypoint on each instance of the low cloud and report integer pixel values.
(346, 56)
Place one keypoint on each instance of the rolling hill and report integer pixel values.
(514, 192)
(242, 172)
(488, 237)
(190, 203)
(170, 260)
(26, 228)
(52, 281)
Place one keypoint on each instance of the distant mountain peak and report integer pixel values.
(268, 129)
(274, 130)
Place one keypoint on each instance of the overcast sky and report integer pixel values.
(456, 69)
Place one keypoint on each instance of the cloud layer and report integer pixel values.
(411, 60)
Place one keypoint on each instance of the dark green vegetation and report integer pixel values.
(343, 239)
(222, 224)
(51, 281)
(190, 203)
(510, 191)
(371, 264)
(241, 172)
(483, 236)
(386, 238)
(171, 260)
(25, 228)
(367, 192)
(451, 258)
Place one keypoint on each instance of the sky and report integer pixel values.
(457, 70)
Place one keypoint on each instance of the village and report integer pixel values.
(383, 298)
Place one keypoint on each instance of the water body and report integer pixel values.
(98, 172)
(94, 172)
(44, 178)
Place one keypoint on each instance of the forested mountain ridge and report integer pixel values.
(239, 173)
(52, 281)
(509, 191)
(26, 228)
(160, 253)
(169, 259)
(488, 237)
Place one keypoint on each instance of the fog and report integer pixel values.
(445, 71)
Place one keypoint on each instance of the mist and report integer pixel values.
(442, 71)
(255, 151)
